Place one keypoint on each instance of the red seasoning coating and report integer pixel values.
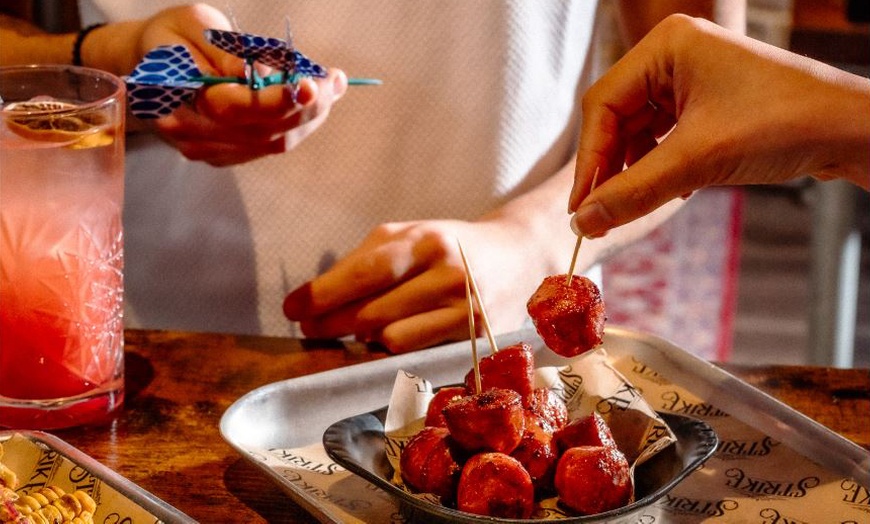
(549, 409)
(444, 396)
(428, 463)
(493, 421)
(593, 479)
(512, 367)
(538, 454)
(590, 430)
(496, 485)
(569, 318)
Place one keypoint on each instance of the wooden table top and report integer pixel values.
(166, 439)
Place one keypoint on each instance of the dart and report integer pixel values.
(167, 76)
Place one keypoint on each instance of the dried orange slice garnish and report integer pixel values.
(77, 131)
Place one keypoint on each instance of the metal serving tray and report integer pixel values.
(130, 502)
(295, 413)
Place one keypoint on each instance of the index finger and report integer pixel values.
(242, 105)
(608, 125)
(621, 103)
(363, 273)
(664, 174)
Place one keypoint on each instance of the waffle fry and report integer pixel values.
(7, 476)
(47, 505)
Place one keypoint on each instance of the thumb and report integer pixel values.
(667, 172)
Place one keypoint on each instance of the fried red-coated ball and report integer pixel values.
(492, 421)
(569, 317)
(590, 430)
(429, 463)
(593, 479)
(512, 367)
(550, 409)
(496, 485)
(538, 454)
(445, 395)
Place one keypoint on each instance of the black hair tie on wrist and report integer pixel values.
(77, 45)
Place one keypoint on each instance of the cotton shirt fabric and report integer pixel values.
(479, 104)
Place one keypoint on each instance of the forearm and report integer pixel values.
(111, 48)
(24, 43)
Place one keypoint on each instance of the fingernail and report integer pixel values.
(297, 301)
(304, 96)
(575, 228)
(339, 85)
(577, 231)
(312, 328)
(591, 220)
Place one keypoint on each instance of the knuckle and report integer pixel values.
(384, 231)
(437, 244)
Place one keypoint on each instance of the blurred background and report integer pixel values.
(775, 274)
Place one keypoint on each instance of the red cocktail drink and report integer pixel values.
(61, 246)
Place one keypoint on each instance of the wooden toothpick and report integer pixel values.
(469, 299)
(477, 297)
(579, 238)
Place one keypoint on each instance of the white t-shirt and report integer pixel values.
(478, 104)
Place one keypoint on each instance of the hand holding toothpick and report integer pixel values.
(579, 239)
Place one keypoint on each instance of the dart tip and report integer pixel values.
(364, 82)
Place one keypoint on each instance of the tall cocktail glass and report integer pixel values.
(61, 246)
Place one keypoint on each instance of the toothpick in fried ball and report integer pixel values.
(568, 314)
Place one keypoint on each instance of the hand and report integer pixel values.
(230, 123)
(404, 285)
(745, 113)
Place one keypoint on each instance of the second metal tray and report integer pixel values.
(126, 498)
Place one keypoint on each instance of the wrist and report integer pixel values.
(79, 42)
(109, 47)
(859, 136)
(845, 134)
(543, 231)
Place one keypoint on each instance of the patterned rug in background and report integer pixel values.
(680, 282)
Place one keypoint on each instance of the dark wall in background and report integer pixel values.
(54, 16)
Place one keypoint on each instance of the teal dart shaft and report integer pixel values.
(273, 79)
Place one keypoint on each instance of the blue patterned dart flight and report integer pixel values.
(168, 77)
(162, 81)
